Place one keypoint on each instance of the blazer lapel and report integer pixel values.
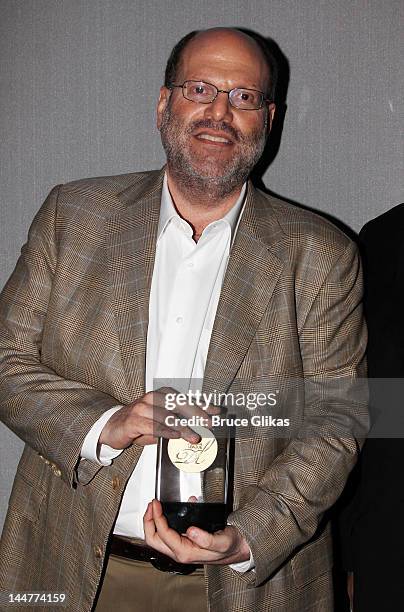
(132, 250)
(251, 276)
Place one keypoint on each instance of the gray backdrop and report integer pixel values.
(79, 81)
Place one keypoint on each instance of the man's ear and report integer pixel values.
(271, 114)
(164, 97)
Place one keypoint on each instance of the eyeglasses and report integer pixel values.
(205, 93)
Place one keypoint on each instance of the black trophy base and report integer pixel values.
(181, 515)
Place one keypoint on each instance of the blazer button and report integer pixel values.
(98, 552)
(116, 482)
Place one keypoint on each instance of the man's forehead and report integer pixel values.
(225, 40)
(229, 47)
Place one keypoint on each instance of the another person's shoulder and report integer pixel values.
(386, 226)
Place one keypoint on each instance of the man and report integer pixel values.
(373, 535)
(180, 274)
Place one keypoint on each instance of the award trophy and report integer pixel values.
(192, 480)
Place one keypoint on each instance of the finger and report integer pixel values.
(219, 542)
(212, 409)
(137, 420)
(144, 439)
(191, 403)
(154, 429)
(181, 431)
(169, 537)
(153, 420)
(187, 404)
(152, 538)
(148, 524)
(148, 515)
(202, 410)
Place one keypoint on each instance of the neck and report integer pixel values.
(197, 207)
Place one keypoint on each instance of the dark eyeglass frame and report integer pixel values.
(229, 91)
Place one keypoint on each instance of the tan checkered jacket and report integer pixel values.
(73, 323)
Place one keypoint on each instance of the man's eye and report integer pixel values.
(199, 89)
(245, 96)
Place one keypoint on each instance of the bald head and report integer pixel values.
(229, 44)
(227, 37)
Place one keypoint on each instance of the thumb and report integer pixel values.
(200, 537)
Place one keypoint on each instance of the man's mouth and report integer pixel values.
(205, 136)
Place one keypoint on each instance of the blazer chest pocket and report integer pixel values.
(25, 499)
(312, 561)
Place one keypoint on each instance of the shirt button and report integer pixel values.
(98, 552)
(190, 264)
(116, 482)
(179, 320)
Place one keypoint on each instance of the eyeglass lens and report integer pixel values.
(204, 93)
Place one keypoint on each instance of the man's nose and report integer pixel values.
(220, 109)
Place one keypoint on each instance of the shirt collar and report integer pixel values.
(168, 212)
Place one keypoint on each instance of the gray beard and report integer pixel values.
(206, 183)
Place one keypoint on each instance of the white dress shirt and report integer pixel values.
(185, 290)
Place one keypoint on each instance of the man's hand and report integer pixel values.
(196, 546)
(142, 421)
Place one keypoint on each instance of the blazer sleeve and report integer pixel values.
(51, 414)
(309, 475)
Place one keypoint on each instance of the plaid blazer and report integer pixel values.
(73, 325)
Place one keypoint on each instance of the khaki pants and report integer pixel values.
(136, 586)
